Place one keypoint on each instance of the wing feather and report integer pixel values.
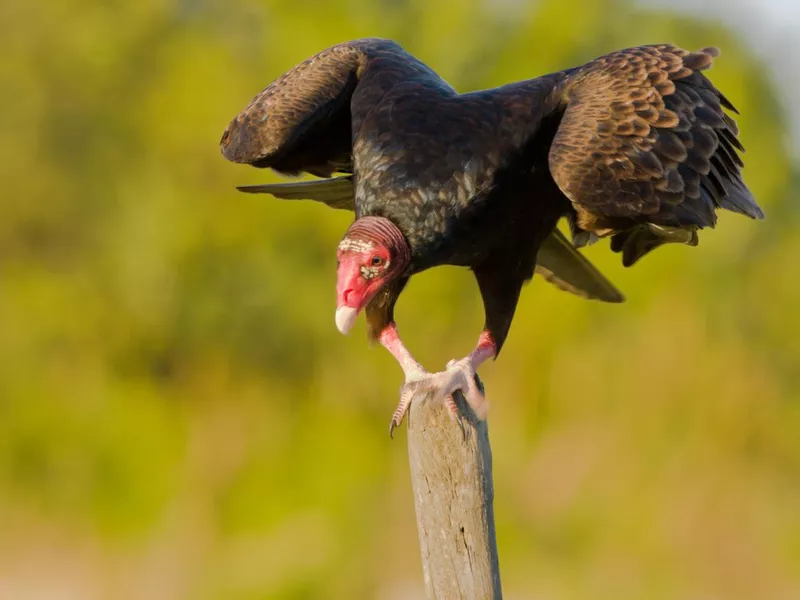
(644, 138)
(302, 121)
(336, 192)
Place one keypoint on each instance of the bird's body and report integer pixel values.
(455, 203)
(633, 145)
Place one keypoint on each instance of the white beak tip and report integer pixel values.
(345, 318)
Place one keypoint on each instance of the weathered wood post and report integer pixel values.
(451, 474)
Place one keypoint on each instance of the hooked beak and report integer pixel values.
(351, 292)
(346, 318)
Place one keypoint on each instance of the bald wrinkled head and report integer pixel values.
(372, 253)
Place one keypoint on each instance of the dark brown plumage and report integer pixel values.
(634, 145)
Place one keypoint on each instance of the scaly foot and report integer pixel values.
(466, 379)
(459, 376)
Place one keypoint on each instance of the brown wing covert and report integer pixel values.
(644, 137)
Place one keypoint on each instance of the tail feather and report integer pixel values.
(560, 263)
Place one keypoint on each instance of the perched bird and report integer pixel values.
(633, 145)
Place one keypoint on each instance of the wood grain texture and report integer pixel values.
(451, 474)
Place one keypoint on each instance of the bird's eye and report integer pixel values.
(376, 260)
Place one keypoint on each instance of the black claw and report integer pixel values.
(391, 428)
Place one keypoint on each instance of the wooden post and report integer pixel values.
(451, 474)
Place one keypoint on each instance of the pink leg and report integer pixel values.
(460, 375)
(390, 339)
(464, 375)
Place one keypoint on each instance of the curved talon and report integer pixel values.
(462, 376)
(459, 376)
(399, 413)
(406, 395)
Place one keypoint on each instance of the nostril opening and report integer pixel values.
(346, 295)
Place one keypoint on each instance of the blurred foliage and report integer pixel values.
(180, 419)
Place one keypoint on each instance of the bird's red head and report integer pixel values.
(372, 253)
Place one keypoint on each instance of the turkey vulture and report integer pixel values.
(633, 145)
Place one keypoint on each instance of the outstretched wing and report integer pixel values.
(644, 139)
(302, 121)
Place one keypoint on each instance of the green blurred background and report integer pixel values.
(179, 417)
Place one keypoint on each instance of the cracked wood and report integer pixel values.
(451, 474)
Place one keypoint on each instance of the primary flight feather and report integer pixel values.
(634, 145)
